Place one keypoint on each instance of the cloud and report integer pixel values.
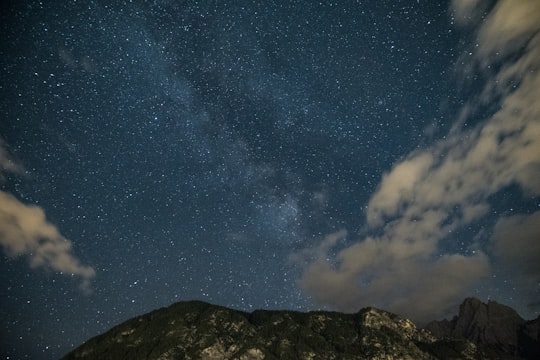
(392, 272)
(466, 12)
(7, 164)
(24, 230)
(509, 26)
(516, 242)
(435, 191)
(397, 187)
(320, 199)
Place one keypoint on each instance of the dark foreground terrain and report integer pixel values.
(197, 330)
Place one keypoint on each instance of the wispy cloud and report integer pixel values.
(438, 190)
(7, 163)
(467, 12)
(25, 231)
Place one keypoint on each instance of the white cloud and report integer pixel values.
(394, 274)
(509, 26)
(25, 231)
(397, 186)
(440, 189)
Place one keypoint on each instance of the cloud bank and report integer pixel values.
(433, 192)
(25, 231)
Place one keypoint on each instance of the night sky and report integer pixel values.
(264, 154)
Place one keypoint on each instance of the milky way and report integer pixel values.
(261, 154)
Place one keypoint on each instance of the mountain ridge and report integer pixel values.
(199, 330)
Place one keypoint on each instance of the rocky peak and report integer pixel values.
(492, 324)
(379, 319)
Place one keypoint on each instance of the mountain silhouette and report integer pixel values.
(198, 330)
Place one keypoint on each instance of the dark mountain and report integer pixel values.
(197, 330)
(491, 325)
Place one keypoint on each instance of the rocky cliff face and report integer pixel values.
(197, 330)
(492, 325)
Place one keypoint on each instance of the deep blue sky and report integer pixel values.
(262, 154)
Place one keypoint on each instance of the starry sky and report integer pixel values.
(264, 154)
